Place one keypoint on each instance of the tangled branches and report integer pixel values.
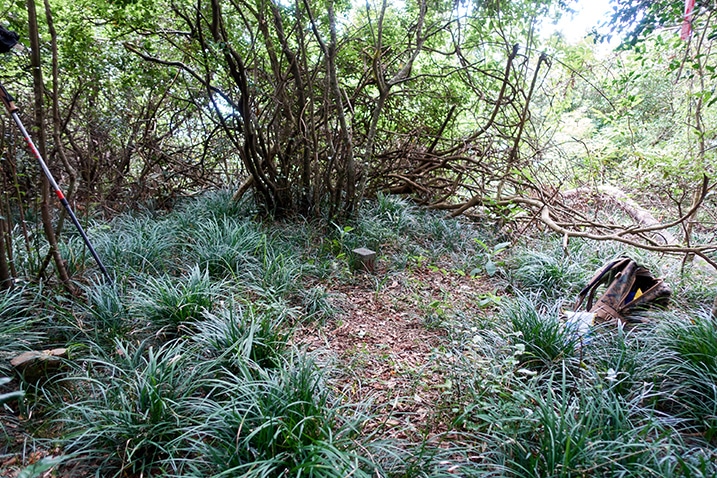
(495, 170)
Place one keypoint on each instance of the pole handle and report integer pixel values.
(8, 100)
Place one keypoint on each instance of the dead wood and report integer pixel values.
(622, 201)
(632, 235)
(463, 181)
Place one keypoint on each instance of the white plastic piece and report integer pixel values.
(579, 323)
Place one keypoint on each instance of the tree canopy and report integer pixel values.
(308, 106)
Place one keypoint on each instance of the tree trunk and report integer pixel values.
(41, 141)
(56, 119)
(5, 276)
(5, 251)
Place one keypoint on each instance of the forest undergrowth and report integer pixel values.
(232, 346)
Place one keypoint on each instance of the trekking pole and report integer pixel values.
(12, 109)
(7, 39)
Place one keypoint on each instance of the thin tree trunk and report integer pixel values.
(56, 119)
(5, 276)
(5, 250)
(41, 140)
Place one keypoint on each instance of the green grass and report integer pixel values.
(133, 407)
(276, 422)
(689, 369)
(106, 315)
(547, 272)
(240, 332)
(20, 327)
(226, 247)
(172, 304)
(316, 304)
(185, 366)
(135, 244)
(167, 411)
(543, 338)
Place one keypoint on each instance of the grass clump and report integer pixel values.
(226, 247)
(571, 431)
(280, 272)
(107, 314)
(18, 321)
(169, 303)
(132, 409)
(141, 244)
(277, 422)
(623, 403)
(165, 411)
(543, 337)
(239, 332)
(689, 369)
(316, 304)
(546, 272)
(216, 204)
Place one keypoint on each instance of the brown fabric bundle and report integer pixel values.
(630, 287)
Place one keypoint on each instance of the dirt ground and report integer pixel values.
(384, 341)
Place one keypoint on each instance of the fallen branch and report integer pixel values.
(546, 217)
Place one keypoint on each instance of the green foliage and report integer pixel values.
(548, 272)
(143, 244)
(6, 397)
(107, 315)
(193, 373)
(136, 407)
(18, 325)
(212, 204)
(635, 19)
(280, 271)
(226, 247)
(542, 337)
(168, 302)
(573, 433)
(168, 410)
(637, 119)
(317, 305)
(607, 417)
(240, 332)
(270, 423)
(690, 370)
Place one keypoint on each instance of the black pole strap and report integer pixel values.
(8, 39)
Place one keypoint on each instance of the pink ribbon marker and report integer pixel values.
(687, 22)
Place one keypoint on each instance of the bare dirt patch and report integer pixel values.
(384, 342)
